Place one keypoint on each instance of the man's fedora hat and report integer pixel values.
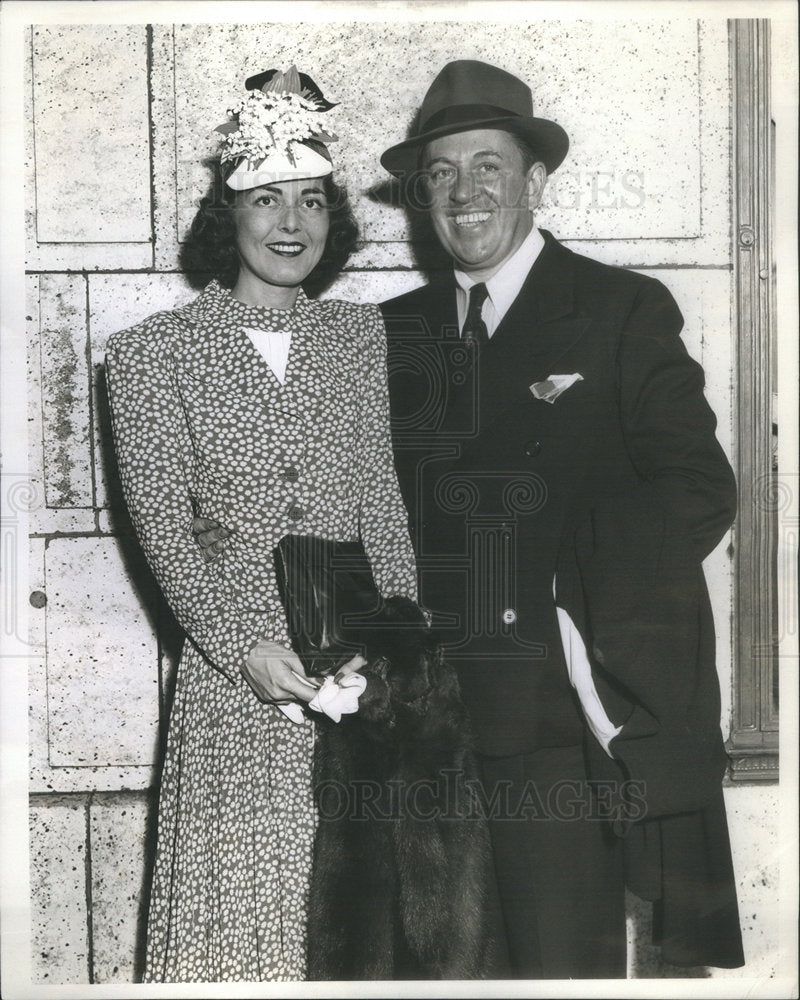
(467, 95)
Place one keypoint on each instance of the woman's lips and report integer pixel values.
(286, 249)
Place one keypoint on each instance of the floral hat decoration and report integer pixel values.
(275, 133)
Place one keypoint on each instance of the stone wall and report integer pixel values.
(119, 121)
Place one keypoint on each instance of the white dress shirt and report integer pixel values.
(273, 346)
(503, 288)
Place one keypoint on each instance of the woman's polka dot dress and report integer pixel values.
(202, 426)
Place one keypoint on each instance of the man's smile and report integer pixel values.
(470, 219)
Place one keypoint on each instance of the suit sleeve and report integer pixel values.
(669, 427)
(684, 498)
(383, 516)
(630, 574)
(154, 456)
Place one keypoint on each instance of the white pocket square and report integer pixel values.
(551, 388)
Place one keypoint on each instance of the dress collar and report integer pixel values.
(218, 300)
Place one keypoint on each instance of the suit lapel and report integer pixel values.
(541, 324)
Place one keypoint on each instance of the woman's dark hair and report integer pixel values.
(210, 247)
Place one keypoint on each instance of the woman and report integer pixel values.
(264, 410)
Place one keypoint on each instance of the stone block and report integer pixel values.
(37, 670)
(61, 455)
(42, 776)
(91, 125)
(162, 90)
(65, 391)
(34, 389)
(120, 885)
(65, 520)
(60, 945)
(88, 257)
(102, 658)
(28, 147)
(373, 286)
(630, 77)
(41, 518)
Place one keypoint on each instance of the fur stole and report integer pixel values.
(402, 861)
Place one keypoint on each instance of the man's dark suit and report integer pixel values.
(619, 487)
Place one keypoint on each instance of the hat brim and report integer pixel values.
(307, 163)
(548, 141)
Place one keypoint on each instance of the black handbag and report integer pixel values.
(332, 604)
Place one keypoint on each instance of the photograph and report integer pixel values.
(400, 499)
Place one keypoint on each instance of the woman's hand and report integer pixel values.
(276, 674)
(210, 535)
(351, 667)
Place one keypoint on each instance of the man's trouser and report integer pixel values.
(559, 867)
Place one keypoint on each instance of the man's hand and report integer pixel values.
(210, 535)
(276, 674)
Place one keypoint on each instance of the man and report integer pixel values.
(563, 481)
(550, 431)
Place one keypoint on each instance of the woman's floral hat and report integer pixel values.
(274, 134)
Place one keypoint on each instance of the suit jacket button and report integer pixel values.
(509, 616)
(532, 448)
(296, 513)
(290, 474)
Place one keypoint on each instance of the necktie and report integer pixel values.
(474, 327)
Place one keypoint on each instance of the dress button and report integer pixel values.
(532, 448)
(290, 474)
(296, 513)
(509, 616)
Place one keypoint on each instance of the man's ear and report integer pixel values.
(537, 178)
